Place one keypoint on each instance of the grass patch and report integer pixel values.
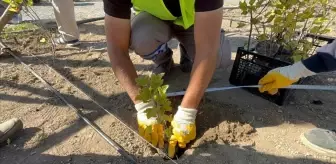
(20, 27)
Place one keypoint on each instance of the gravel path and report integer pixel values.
(83, 10)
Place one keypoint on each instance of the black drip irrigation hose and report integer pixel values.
(114, 144)
(105, 110)
(89, 20)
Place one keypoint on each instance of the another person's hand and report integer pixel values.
(283, 77)
(184, 129)
(155, 135)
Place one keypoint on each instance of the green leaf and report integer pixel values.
(251, 2)
(259, 3)
(276, 29)
(144, 95)
(290, 17)
(262, 37)
(323, 2)
(156, 81)
(243, 7)
(168, 118)
(269, 13)
(241, 24)
(161, 94)
(315, 29)
(308, 13)
(334, 9)
(292, 2)
(320, 20)
(15, 4)
(164, 88)
(150, 112)
(327, 30)
(148, 129)
(278, 12)
(270, 18)
(166, 105)
(255, 21)
(142, 81)
(278, 20)
(168, 132)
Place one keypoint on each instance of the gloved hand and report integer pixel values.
(283, 77)
(155, 135)
(184, 129)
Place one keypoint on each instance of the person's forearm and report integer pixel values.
(124, 70)
(324, 60)
(207, 45)
(118, 36)
(201, 76)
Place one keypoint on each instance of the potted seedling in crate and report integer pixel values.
(279, 31)
(152, 90)
(281, 26)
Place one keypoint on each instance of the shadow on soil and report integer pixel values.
(231, 154)
(210, 116)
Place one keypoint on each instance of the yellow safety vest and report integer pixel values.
(158, 9)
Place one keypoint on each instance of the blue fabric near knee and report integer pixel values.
(161, 49)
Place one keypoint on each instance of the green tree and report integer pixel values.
(286, 22)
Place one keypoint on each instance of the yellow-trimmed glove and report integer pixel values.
(155, 135)
(283, 77)
(184, 129)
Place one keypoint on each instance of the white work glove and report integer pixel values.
(155, 136)
(283, 77)
(184, 129)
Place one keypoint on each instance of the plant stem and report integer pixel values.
(262, 10)
(251, 28)
(255, 26)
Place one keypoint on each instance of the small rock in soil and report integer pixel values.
(32, 153)
(317, 102)
(97, 73)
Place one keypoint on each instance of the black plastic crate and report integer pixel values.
(249, 68)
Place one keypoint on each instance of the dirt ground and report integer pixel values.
(233, 126)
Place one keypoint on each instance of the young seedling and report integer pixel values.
(153, 90)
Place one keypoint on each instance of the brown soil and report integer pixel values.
(226, 132)
(232, 126)
(224, 126)
(29, 42)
